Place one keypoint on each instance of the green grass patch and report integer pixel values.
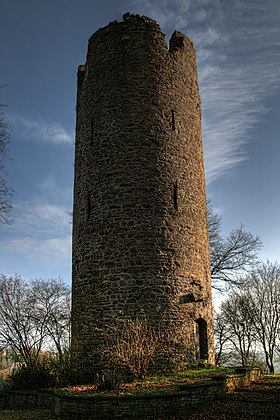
(160, 384)
(272, 377)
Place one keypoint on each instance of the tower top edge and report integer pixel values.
(177, 41)
(128, 18)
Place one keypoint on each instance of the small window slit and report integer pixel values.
(175, 196)
(173, 119)
(88, 206)
(91, 131)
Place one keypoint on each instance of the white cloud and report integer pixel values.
(40, 218)
(40, 236)
(49, 185)
(238, 52)
(176, 14)
(40, 130)
(54, 192)
(44, 250)
(42, 227)
(239, 72)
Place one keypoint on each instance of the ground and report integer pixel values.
(26, 415)
(261, 400)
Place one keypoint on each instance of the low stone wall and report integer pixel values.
(188, 397)
(128, 407)
(27, 399)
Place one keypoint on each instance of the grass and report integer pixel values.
(26, 415)
(149, 386)
(155, 384)
(274, 376)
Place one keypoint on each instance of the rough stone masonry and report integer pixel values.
(140, 237)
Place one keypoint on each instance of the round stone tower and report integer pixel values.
(140, 237)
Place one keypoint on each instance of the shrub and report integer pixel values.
(38, 376)
(61, 369)
(131, 345)
(109, 379)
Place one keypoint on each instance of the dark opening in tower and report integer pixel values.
(173, 120)
(91, 131)
(175, 196)
(88, 206)
(202, 340)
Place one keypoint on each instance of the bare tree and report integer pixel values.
(222, 336)
(33, 316)
(250, 318)
(5, 190)
(239, 327)
(262, 291)
(230, 256)
(53, 299)
(17, 329)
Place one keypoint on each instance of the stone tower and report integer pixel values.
(140, 238)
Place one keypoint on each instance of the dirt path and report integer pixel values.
(259, 401)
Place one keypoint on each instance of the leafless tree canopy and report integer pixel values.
(5, 190)
(250, 318)
(234, 329)
(263, 294)
(34, 316)
(232, 255)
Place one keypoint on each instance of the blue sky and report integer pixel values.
(238, 54)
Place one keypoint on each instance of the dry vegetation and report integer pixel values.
(155, 384)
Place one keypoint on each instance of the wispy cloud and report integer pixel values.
(238, 51)
(55, 249)
(41, 232)
(49, 188)
(40, 130)
(40, 218)
(175, 14)
(49, 232)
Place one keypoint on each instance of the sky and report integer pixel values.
(238, 56)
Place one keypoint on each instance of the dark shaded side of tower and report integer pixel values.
(140, 238)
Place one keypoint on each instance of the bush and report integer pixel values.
(131, 345)
(109, 379)
(61, 369)
(38, 376)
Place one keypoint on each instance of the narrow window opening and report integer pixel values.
(88, 206)
(173, 120)
(189, 298)
(175, 196)
(91, 131)
(202, 339)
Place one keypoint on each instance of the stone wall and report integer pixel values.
(178, 404)
(137, 407)
(23, 399)
(188, 398)
(140, 238)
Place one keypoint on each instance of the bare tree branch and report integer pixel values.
(5, 190)
(232, 256)
(262, 290)
(34, 316)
